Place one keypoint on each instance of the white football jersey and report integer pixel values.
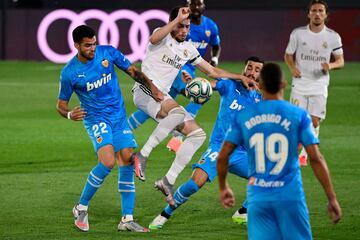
(164, 60)
(311, 49)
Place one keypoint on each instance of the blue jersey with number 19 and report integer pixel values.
(271, 131)
(96, 84)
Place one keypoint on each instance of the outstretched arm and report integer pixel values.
(141, 78)
(321, 171)
(215, 72)
(161, 33)
(227, 198)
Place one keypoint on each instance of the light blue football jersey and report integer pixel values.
(96, 84)
(271, 131)
(202, 35)
(234, 98)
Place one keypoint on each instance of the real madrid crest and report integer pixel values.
(325, 45)
(208, 33)
(186, 53)
(105, 63)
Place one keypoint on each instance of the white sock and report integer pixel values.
(165, 126)
(192, 143)
(82, 207)
(127, 218)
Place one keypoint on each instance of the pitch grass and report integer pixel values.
(45, 160)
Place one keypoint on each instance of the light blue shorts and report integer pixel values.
(278, 220)
(238, 162)
(116, 133)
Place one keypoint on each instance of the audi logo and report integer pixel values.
(108, 27)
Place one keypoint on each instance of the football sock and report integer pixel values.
(127, 189)
(192, 143)
(165, 126)
(193, 108)
(181, 195)
(137, 119)
(94, 181)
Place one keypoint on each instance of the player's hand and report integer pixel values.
(249, 83)
(156, 93)
(325, 67)
(183, 14)
(227, 198)
(295, 72)
(334, 210)
(77, 114)
(185, 77)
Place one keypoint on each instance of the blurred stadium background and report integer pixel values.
(45, 159)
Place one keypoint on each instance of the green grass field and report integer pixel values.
(45, 160)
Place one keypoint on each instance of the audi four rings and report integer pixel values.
(108, 27)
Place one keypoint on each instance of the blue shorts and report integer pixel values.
(238, 162)
(178, 85)
(117, 133)
(278, 220)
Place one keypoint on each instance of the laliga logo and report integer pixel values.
(108, 25)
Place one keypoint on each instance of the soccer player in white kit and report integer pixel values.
(313, 45)
(167, 52)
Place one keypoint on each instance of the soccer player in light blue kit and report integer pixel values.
(271, 131)
(91, 75)
(234, 99)
(203, 32)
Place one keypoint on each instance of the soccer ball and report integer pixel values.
(198, 90)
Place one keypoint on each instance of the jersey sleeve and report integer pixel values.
(292, 45)
(119, 59)
(214, 37)
(234, 133)
(337, 45)
(65, 87)
(307, 133)
(195, 57)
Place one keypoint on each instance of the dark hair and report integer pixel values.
(254, 59)
(174, 12)
(81, 32)
(323, 2)
(271, 77)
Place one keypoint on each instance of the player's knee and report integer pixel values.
(200, 177)
(197, 135)
(177, 110)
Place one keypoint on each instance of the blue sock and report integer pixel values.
(127, 189)
(94, 181)
(193, 108)
(137, 119)
(182, 194)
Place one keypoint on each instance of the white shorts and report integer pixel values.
(147, 104)
(314, 104)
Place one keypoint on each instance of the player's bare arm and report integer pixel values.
(321, 171)
(215, 54)
(227, 197)
(162, 32)
(141, 78)
(215, 72)
(337, 64)
(289, 60)
(76, 114)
